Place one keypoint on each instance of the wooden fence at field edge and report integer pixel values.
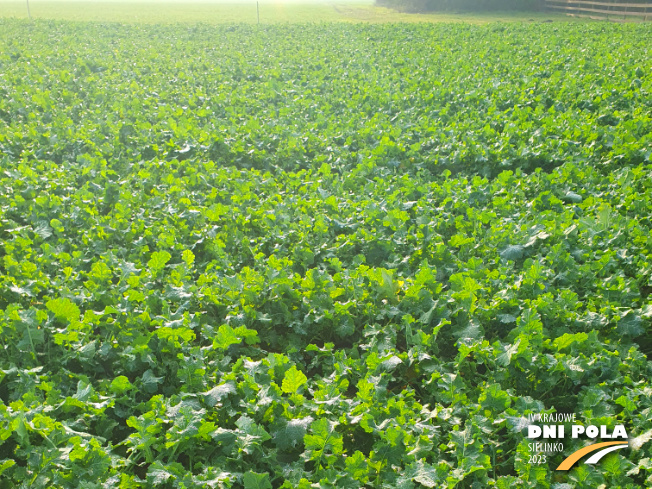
(615, 11)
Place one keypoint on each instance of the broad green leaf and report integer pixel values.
(64, 309)
(323, 439)
(218, 392)
(356, 465)
(572, 197)
(631, 325)
(43, 230)
(626, 403)
(77, 453)
(612, 464)
(254, 480)
(292, 433)
(494, 398)
(293, 380)
(426, 475)
(150, 381)
(188, 257)
(512, 252)
(158, 260)
(175, 334)
(566, 340)
(158, 474)
(6, 463)
(637, 442)
(225, 337)
(120, 384)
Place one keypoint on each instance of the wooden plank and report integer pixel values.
(634, 12)
(595, 17)
(602, 4)
(606, 12)
(599, 11)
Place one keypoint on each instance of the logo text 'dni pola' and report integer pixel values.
(552, 430)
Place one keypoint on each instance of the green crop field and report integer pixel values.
(323, 255)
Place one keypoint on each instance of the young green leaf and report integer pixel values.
(293, 380)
